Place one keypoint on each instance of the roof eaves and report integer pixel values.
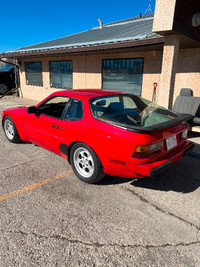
(149, 41)
(138, 37)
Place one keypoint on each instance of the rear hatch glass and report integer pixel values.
(133, 112)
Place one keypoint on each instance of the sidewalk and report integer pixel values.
(14, 101)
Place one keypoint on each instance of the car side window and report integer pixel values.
(53, 107)
(74, 111)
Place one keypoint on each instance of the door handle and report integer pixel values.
(54, 126)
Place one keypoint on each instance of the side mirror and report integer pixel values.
(31, 109)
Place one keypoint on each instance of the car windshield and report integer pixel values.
(129, 110)
(6, 67)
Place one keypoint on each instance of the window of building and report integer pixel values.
(61, 74)
(123, 75)
(33, 72)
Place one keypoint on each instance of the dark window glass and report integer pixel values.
(123, 75)
(61, 74)
(53, 107)
(130, 110)
(34, 73)
(75, 110)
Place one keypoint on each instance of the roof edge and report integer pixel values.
(87, 48)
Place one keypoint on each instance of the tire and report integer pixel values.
(10, 130)
(3, 88)
(86, 164)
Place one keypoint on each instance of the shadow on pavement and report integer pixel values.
(193, 135)
(183, 176)
(111, 180)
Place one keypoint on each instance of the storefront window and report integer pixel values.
(33, 72)
(61, 74)
(123, 75)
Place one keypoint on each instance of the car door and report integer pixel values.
(71, 124)
(43, 127)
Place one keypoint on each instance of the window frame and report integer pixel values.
(139, 58)
(67, 107)
(25, 68)
(64, 110)
(144, 104)
(58, 87)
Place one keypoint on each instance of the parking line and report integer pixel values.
(33, 186)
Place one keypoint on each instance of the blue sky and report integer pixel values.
(25, 23)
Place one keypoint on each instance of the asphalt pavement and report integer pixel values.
(50, 218)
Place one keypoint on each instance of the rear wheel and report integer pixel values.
(3, 88)
(86, 164)
(10, 130)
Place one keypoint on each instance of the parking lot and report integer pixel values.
(50, 218)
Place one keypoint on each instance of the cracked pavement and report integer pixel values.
(118, 222)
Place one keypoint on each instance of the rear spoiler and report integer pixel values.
(159, 126)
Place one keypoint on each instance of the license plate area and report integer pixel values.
(171, 142)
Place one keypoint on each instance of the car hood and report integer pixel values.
(18, 110)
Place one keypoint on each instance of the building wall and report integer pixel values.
(164, 15)
(87, 72)
(188, 71)
(1, 64)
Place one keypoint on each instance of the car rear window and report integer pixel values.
(129, 110)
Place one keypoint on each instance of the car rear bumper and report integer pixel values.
(154, 168)
(158, 170)
(162, 168)
(157, 167)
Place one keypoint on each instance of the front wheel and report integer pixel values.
(86, 164)
(10, 130)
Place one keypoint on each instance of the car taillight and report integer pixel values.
(184, 134)
(147, 150)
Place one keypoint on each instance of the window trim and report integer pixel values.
(122, 59)
(64, 110)
(58, 87)
(32, 84)
(61, 118)
(67, 107)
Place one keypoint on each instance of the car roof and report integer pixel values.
(87, 93)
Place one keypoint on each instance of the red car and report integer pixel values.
(102, 132)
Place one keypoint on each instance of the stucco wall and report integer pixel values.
(188, 71)
(164, 15)
(87, 73)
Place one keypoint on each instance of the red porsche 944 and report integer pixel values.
(102, 132)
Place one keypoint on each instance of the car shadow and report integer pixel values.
(193, 134)
(183, 176)
(112, 180)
